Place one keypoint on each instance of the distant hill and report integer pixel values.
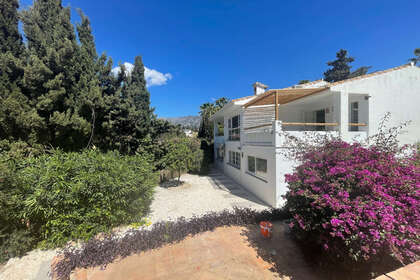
(192, 122)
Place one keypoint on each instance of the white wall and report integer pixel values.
(397, 92)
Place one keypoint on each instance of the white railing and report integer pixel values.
(260, 137)
(356, 136)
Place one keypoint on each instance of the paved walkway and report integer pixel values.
(199, 195)
(409, 272)
(226, 253)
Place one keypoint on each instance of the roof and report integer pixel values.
(284, 96)
(371, 74)
(242, 98)
(289, 94)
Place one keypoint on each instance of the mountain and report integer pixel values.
(192, 122)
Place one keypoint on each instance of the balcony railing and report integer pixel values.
(262, 135)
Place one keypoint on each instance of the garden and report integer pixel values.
(353, 209)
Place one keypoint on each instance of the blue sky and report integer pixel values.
(215, 48)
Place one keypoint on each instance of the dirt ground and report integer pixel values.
(226, 253)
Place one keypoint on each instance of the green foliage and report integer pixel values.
(53, 198)
(416, 59)
(206, 111)
(301, 82)
(130, 117)
(10, 38)
(56, 91)
(341, 68)
(183, 155)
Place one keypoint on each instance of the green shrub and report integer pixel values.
(77, 195)
(57, 197)
(15, 239)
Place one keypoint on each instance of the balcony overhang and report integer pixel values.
(282, 96)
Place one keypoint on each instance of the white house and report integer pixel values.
(248, 130)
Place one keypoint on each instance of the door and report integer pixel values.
(320, 118)
(354, 115)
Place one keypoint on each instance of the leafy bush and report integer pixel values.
(14, 237)
(183, 154)
(100, 252)
(77, 195)
(357, 201)
(62, 196)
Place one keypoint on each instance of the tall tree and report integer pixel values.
(340, 67)
(130, 116)
(52, 76)
(17, 119)
(10, 38)
(90, 102)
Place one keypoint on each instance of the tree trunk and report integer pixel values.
(179, 176)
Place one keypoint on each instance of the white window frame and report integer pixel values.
(256, 171)
(235, 159)
(234, 133)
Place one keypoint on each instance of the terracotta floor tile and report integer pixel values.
(225, 253)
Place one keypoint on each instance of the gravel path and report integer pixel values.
(197, 196)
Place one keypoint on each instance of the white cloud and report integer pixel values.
(153, 77)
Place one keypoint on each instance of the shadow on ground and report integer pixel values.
(282, 252)
(220, 181)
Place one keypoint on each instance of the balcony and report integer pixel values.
(270, 134)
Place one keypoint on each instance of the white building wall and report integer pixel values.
(397, 92)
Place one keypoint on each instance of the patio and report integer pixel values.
(226, 253)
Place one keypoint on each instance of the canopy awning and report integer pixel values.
(283, 96)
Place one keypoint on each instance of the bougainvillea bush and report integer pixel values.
(358, 202)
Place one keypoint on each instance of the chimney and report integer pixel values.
(259, 88)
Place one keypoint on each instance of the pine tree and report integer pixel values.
(340, 67)
(52, 76)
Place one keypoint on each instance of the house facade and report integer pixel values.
(248, 131)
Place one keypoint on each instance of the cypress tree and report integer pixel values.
(18, 121)
(90, 102)
(53, 73)
(10, 38)
(129, 118)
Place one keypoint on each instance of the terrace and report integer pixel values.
(299, 111)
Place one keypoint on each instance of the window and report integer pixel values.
(354, 115)
(257, 166)
(234, 125)
(235, 159)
